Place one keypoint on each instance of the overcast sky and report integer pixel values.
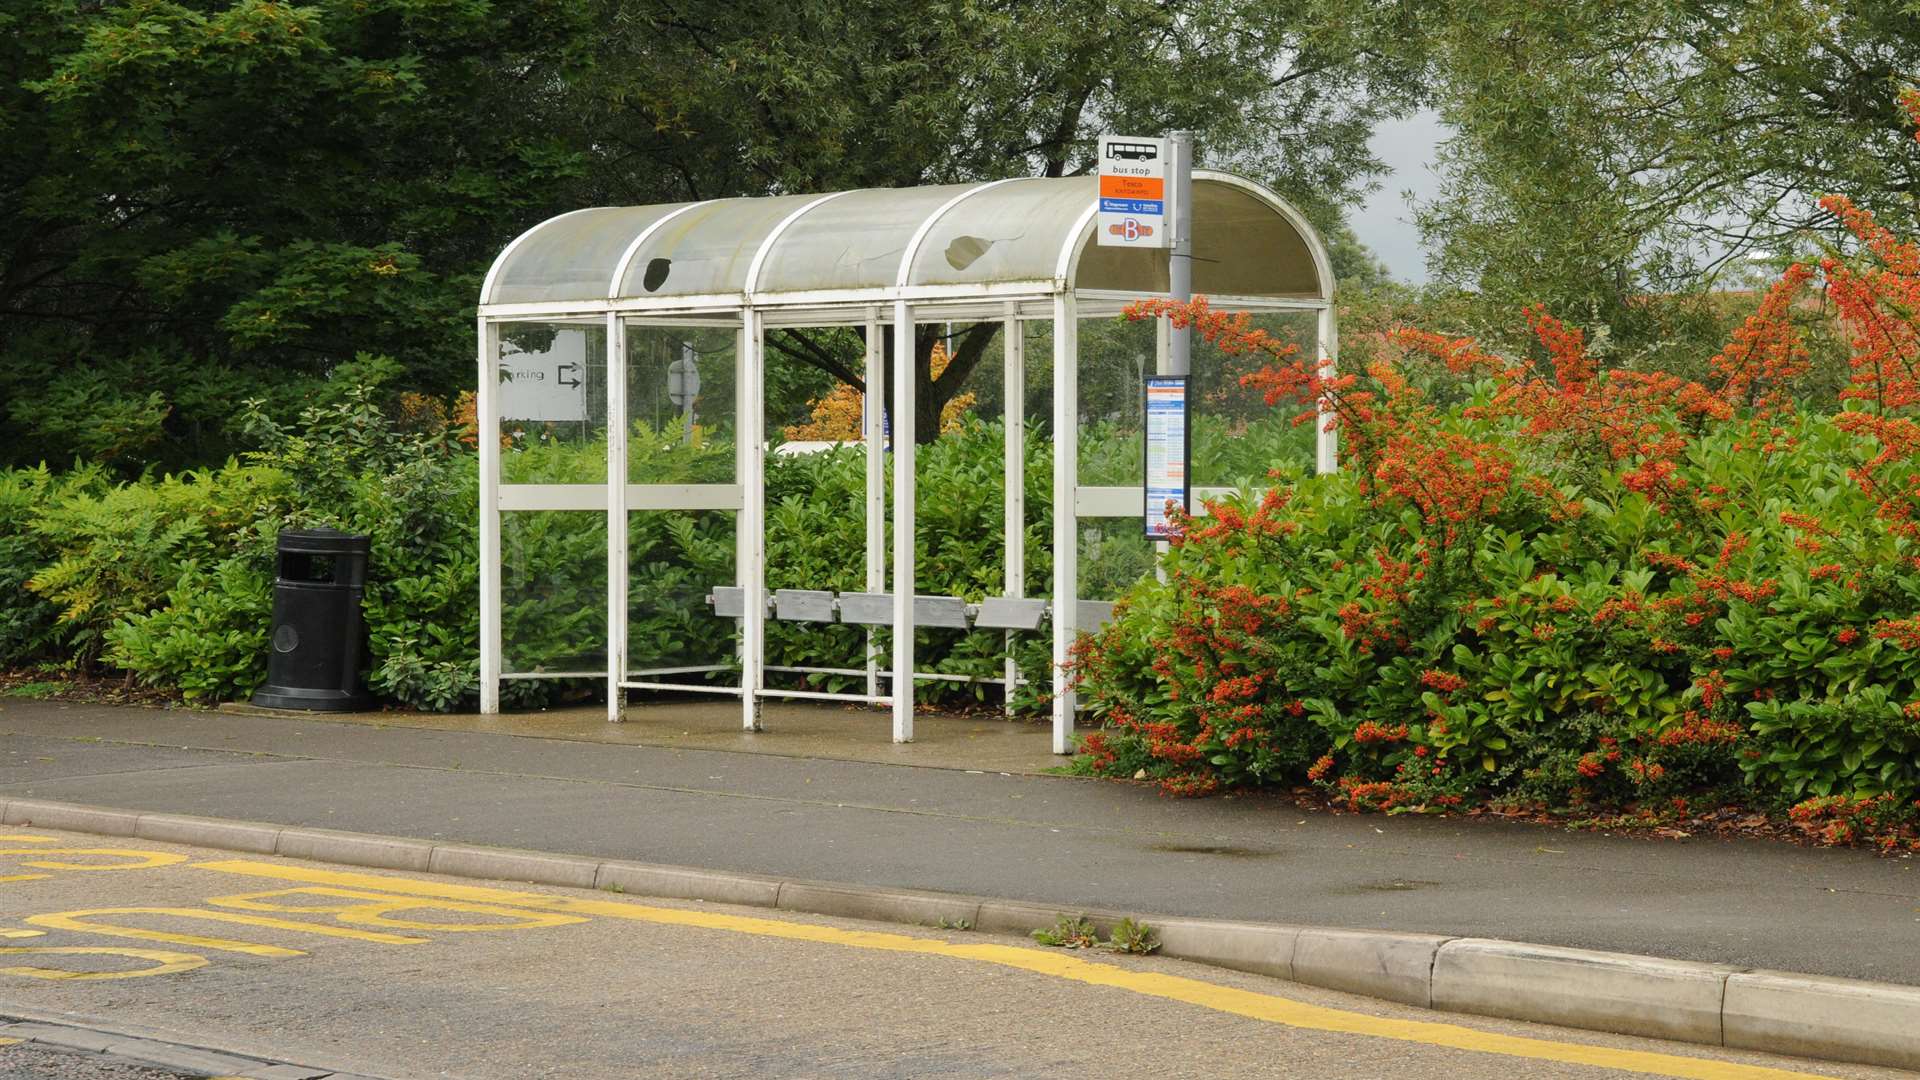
(1384, 222)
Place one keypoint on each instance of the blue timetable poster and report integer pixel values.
(1167, 451)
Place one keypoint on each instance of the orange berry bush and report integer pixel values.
(1540, 580)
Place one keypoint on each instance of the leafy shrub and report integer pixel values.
(209, 639)
(29, 623)
(1564, 585)
(118, 551)
(186, 602)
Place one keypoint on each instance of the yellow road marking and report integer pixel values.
(22, 838)
(23, 933)
(150, 859)
(23, 877)
(10, 1042)
(76, 920)
(165, 963)
(374, 908)
(1247, 1003)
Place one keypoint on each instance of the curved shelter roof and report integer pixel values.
(875, 244)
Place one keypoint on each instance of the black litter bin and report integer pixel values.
(318, 630)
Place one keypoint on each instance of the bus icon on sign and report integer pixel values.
(1130, 151)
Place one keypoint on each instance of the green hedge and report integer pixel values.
(1544, 584)
(170, 577)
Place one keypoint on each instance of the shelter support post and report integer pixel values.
(1014, 394)
(752, 538)
(873, 429)
(1327, 343)
(487, 412)
(616, 518)
(1066, 525)
(904, 365)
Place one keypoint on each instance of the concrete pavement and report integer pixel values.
(1052, 840)
(416, 975)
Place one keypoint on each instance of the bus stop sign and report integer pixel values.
(1134, 192)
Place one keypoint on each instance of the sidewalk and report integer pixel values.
(1049, 839)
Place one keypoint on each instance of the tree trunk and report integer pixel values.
(930, 395)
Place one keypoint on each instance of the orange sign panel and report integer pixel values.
(1131, 187)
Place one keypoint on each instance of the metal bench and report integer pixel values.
(876, 609)
(1007, 613)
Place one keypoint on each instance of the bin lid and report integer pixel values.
(324, 541)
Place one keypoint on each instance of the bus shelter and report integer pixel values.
(624, 364)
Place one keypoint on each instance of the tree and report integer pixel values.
(752, 97)
(1606, 151)
(209, 200)
(204, 201)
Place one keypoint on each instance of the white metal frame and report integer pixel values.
(1056, 299)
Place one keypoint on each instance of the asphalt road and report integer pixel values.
(416, 976)
(1048, 839)
(25, 1061)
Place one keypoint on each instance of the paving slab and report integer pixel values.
(1049, 840)
(982, 740)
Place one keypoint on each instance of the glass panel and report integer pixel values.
(816, 539)
(856, 241)
(806, 399)
(1237, 436)
(969, 362)
(1243, 247)
(1039, 350)
(553, 590)
(1039, 449)
(675, 559)
(1013, 232)
(816, 497)
(573, 257)
(553, 403)
(1115, 358)
(681, 404)
(1114, 554)
(707, 249)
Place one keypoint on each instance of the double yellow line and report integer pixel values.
(1256, 1006)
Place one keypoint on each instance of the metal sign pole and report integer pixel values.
(1180, 259)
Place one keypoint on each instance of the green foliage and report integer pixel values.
(118, 551)
(1587, 591)
(1078, 932)
(1069, 932)
(171, 577)
(1603, 155)
(241, 197)
(1133, 937)
(210, 637)
(29, 623)
(202, 204)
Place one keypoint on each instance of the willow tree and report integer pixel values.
(1605, 151)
